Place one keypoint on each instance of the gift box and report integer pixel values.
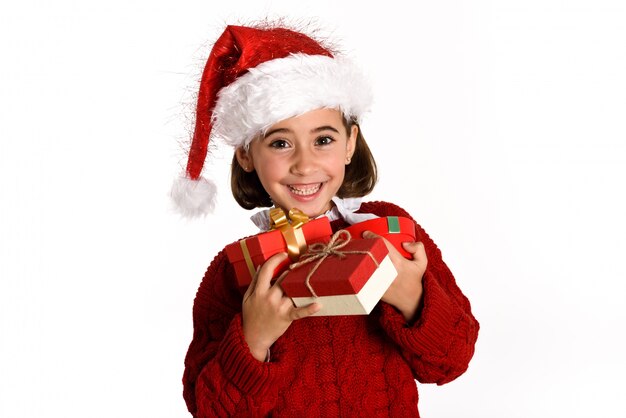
(248, 254)
(346, 281)
(396, 229)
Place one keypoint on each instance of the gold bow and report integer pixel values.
(290, 226)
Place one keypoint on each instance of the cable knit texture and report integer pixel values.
(328, 366)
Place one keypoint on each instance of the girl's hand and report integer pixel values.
(405, 292)
(267, 312)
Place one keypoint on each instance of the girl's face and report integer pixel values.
(301, 160)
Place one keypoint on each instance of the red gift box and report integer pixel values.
(396, 229)
(248, 254)
(346, 281)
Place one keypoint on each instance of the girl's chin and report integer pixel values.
(312, 205)
(310, 209)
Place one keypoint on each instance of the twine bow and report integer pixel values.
(289, 226)
(320, 252)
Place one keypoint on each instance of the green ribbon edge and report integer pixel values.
(393, 225)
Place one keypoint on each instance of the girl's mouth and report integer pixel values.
(304, 189)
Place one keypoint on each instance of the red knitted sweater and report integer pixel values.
(328, 366)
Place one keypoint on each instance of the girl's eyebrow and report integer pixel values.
(279, 130)
(324, 128)
(286, 130)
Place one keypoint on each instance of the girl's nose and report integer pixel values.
(303, 163)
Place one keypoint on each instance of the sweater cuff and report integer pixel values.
(432, 330)
(251, 376)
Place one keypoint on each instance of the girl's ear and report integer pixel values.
(244, 159)
(351, 145)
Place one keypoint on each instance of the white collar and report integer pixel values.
(342, 208)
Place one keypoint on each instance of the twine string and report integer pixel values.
(319, 252)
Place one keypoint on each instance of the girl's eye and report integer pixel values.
(279, 143)
(324, 140)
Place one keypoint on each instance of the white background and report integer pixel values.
(500, 125)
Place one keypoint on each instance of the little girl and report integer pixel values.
(291, 108)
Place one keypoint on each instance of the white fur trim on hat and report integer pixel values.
(286, 87)
(193, 198)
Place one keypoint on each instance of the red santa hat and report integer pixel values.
(254, 78)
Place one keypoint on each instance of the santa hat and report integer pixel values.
(254, 78)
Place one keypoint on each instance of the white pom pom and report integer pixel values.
(194, 197)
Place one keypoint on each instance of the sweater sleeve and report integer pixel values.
(440, 343)
(221, 377)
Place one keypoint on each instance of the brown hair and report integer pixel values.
(360, 178)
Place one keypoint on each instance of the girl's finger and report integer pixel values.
(394, 254)
(304, 311)
(417, 250)
(266, 272)
(252, 284)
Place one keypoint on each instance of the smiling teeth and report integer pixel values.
(305, 191)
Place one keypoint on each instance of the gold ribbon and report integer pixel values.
(290, 226)
(319, 252)
(247, 258)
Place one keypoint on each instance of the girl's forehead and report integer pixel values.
(317, 117)
(309, 122)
